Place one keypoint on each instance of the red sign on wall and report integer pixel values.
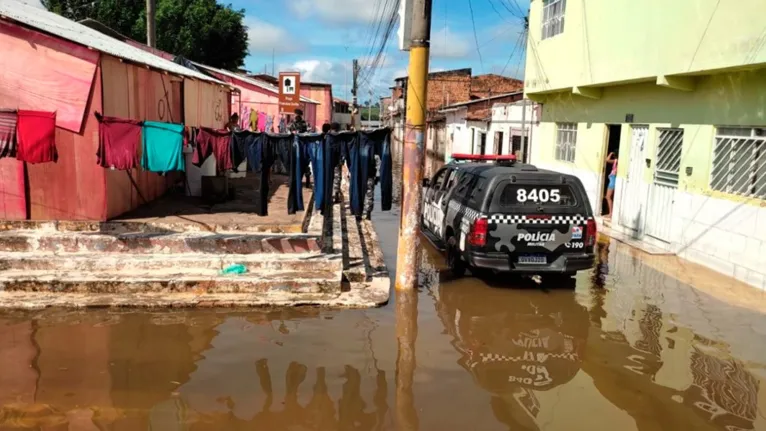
(289, 91)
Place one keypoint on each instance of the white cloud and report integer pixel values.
(348, 11)
(338, 73)
(447, 44)
(264, 36)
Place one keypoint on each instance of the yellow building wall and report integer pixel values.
(730, 99)
(611, 41)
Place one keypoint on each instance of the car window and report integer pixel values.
(438, 179)
(464, 185)
(477, 192)
(451, 177)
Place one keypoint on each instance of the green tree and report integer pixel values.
(201, 30)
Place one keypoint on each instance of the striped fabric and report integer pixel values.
(8, 120)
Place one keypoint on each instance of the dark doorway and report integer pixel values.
(612, 146)
(498, 143)
(518, 149)
(483, 143)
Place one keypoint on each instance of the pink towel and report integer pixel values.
(261, 121)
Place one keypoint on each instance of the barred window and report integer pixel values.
(566, 141)
(668, 157)
(739, 161)
(553, 17)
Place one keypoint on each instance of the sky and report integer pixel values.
(320, 38)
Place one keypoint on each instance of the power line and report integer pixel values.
(492, 3)
(523, 58)
(515, 48)
(476, 38)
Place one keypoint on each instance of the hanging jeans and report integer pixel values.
(282, 147)
(335, 149)
(246, 145)
(311, 144)
(361, 155)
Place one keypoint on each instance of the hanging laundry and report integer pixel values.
(312, 152)
(264, 122)
(334, 149)
(282, 125)
(216, 143)
(8, 120)
(360, 159)
(247, 145)
(118, 141)
(162, 147)
(254, 116)
(283, 148)
(36, 137)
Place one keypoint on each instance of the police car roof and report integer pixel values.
(490, 170)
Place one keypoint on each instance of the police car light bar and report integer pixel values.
(485, 157)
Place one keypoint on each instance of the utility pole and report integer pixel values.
(414, 144)
(151, 29)
(524, 144)
(355, 70)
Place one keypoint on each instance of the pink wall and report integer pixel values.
(43, 73)
(259, 99)
(323, 95)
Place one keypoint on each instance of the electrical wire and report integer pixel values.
(492, 4)
(515, 48)
(523, 59)
(475, 38)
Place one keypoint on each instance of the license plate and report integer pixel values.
(533, 259)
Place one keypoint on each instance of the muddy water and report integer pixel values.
(623, 347)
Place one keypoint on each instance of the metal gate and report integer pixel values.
(663, 189)
(632, 208)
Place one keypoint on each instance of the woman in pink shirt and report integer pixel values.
(611, 159)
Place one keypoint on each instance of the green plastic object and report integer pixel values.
(234, 269)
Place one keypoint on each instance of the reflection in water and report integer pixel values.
(627, 348)
(515, 343)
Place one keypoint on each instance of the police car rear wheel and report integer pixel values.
(456, 265)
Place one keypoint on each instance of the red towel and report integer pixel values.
(118, 141)
(217, 143)
(36, 134)
(8, 121)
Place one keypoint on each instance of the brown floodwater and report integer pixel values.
(641, 342)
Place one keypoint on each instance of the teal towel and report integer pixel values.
(163, 147)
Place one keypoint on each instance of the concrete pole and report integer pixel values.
(354, 89)
(412, 169)
(151, 30)
(523, 129)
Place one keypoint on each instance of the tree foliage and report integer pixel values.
(200, 30)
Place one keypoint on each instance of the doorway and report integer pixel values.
(483, 143)
(498, 143)
(612, 146)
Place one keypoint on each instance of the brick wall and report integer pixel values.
(487, 85)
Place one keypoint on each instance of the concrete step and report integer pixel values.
(138, 263)
(275, 283)
(157, 243)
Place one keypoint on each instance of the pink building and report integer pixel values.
(322, 93)
(259, 96)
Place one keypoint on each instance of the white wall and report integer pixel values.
(507, 118)
(458, 135)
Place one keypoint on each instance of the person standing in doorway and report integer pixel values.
(612, 160)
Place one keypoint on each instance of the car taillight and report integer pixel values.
(591, 231)
(478, 235)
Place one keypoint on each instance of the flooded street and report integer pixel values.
(626, 346)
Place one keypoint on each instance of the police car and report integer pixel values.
(492, 213)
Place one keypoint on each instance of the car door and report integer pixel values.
(439, 201)
(430, 210)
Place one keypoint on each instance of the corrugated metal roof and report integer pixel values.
(256, 82)
(64, 28)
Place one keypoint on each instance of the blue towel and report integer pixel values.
(163, 147)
